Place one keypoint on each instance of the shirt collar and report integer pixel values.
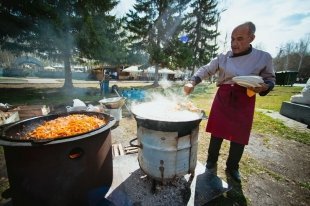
(243, 53)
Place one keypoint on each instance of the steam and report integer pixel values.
(170, 106)
(164, 83)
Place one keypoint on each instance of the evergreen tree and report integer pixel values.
(153, 26)
(61, 29)
(200, 26)
(181, 53)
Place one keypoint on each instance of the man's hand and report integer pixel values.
(188, 88)
(263, 88)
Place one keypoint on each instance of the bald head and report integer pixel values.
(242, 36)
(249, 26)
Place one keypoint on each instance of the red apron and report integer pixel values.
(231, 115)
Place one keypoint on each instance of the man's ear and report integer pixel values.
(252, 37)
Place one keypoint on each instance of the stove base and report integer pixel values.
(131, 186)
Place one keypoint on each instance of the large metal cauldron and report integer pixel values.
(167, 149)
(66, 171)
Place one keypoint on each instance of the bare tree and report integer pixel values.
(302, 48)
(295, 56)
(287, 51)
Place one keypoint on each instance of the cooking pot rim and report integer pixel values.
(202, 115)
(7, 141)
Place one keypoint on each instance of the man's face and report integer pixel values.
(241, 39)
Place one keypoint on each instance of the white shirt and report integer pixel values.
(257, 62)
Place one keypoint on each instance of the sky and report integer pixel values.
(277, 21)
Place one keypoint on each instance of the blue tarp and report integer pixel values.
(134, 94)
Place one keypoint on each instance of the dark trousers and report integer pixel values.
(234, 156)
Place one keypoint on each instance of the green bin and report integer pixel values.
(286, 78)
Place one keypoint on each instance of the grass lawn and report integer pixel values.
(274, 99)
(264, 124)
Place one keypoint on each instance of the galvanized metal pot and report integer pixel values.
(167, 149)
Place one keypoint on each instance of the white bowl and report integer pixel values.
(112, 103)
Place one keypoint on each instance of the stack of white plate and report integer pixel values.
(248, 81)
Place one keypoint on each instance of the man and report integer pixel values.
(232, 111)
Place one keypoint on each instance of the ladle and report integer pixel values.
(115, 90)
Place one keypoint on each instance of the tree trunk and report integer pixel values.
(300, 61)
(156, 84)
(68, 74)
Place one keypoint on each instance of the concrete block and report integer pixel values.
(298, 112)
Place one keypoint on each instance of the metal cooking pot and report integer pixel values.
(63, 171)
(13, 134)
(182, 127)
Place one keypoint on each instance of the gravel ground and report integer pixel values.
(285, 163)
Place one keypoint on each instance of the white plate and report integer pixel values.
(248, 81)
(248, 84)
(252, 79)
